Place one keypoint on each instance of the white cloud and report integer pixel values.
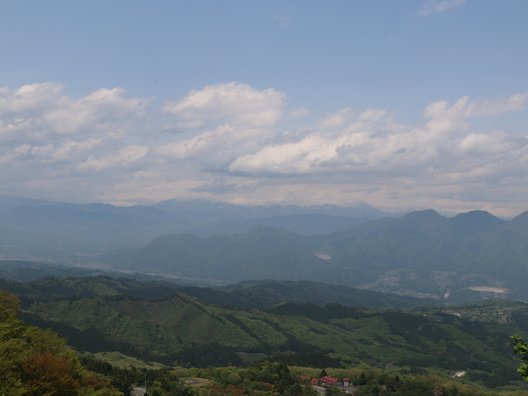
(203, 141)
(232, 102)
(372, 143)
(222, 121)
(27, 99)
(47, 137)
(72, 147)
(366, 141)
(125, 156)
(99, 108)
(491, 143)
(463, 108)
(231, 145)
(444, 118)
(337, 119)
(40, 110)
(438, 6)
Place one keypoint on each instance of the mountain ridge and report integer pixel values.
(421, 250)
(68, 232)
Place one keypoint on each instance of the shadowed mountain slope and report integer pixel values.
(423, 254)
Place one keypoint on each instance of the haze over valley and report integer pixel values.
(422, 253)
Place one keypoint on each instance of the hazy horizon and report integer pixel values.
(312, 207)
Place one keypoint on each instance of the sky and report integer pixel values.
(402, 105)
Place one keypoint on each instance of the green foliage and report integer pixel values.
(9, 306)
(271, 378)
(521, 348)
(159, 381)
(266, 378)
(35, 361)
(268, 293)
(120, 360)
(182, 330)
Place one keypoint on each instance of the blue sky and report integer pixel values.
(155, 90)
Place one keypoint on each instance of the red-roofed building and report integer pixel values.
(327, 380)
(346, 381)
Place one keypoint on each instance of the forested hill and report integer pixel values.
(267, 293)
(140, 319)
(246, 295)
(423, 254)
(38, 362)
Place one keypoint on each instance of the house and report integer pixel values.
(329, 381)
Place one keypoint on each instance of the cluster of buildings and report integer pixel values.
(326, 381)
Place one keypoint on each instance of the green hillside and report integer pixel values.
(179, 329)
(38, 362)
(251, 294)
(266, 293)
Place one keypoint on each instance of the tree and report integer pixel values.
(48, 373)
(521, 348)
(38, 362)
(9, 306)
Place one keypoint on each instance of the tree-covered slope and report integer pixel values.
(37, 362)
(180, 328)
(266, 293)
(250, 294)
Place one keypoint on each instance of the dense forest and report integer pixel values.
(126, 331)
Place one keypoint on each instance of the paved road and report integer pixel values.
(319, 389)
(138, 391)
(322, 391)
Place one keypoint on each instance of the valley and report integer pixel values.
(419, 295)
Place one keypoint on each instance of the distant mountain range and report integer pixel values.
(39, 229)
(422, 254)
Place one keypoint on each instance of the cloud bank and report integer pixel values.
(228, 142)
